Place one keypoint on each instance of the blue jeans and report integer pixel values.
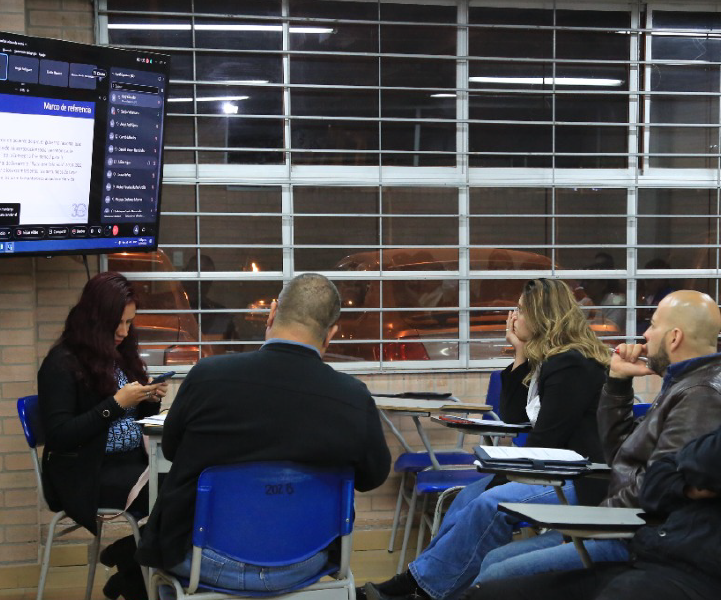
(544, 553)
(472, 528)
(220, 571)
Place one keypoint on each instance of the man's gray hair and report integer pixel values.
(310, 300)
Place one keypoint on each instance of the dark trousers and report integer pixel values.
(605, 581)
(119, 473)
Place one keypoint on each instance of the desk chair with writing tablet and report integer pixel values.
(409, 464)
(432, 481)
(29, 413)
(270, 514)
(579, 522)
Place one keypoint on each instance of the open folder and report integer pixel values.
(530, 458)
(486, 423)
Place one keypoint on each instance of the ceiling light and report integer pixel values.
(210, 99)
(218, 27)
(230, 109)
(548, 81)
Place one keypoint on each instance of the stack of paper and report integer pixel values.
(530, 458)
(156, 420)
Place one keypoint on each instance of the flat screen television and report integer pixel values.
(81, 147)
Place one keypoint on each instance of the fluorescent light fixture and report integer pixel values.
(443, 95)
(230, 109)
(210, 99)
(691, 34)
(548, 81)
(218, 27)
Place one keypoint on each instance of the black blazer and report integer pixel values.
(279, 403)
(569, 387)
(76, 420)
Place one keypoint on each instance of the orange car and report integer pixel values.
(420, 318)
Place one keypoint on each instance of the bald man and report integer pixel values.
(681, 345)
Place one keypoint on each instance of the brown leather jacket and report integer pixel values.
(687, 407)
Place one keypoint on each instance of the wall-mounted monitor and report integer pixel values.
(81, 147)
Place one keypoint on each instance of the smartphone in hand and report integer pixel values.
(162, 378)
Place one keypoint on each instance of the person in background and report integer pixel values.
(92, 386)
(609, 296)
(281, 402)
(681, 347)
(675, 559)
(651, 292)
(216, 325)
(554, 382)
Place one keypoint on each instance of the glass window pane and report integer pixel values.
(334, 70)
(335, 259)
(601, 45)
(442, 231)
(335, 200)
(240, 132)
(684, 140)
(418, 72)
(179, 131)
(177, 230)
(238, 34)
(417, 200)
(411, 104)
(242, 229)
(333, 37)
(178, 198)
(333, 9)
(416, 39)
(239, 68)
(234, 100)
(150, 30)
(423, 136)
(335, 103)
(239, 199)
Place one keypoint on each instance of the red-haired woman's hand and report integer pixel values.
(132, 394)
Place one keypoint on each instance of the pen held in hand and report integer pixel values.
(641, 358)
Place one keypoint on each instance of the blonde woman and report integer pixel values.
(554, 382)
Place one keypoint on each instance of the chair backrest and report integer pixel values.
(640, 409)
(493, 395)
(29, 413)
(272, 513)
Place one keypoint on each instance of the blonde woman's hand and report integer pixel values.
(519, 346)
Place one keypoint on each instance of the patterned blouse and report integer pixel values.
(124, 433)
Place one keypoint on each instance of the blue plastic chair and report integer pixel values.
(445, 482)
(29, 413)
(270, 514)
(640, 409)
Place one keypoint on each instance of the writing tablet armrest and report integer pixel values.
(586, 519)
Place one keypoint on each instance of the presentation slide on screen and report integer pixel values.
(46, 148)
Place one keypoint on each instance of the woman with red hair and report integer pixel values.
(92, 387)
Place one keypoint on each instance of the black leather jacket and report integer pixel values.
(689, 406)
(688, 538)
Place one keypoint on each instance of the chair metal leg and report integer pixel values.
(421, 526)
(45, 565)
(407, 530)
(93, 558)
(397, 514)
(438, 513)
